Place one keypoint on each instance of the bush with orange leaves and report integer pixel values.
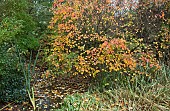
(86, 40)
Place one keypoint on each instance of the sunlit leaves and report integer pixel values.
(101, 41)
(9, 28)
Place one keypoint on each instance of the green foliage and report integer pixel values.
(12, 81)
(28, 71)
(13, 31)
(71, 103)
(40, 11)
(8, 58)
(9, 29)
(16, 30)
(122, 95)
(16, 19)
(12, 87)
(11, 8)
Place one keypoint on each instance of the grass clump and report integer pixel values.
(136, 95)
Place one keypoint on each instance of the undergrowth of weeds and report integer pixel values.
(150, 96)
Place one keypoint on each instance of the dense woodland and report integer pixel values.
(84, 55)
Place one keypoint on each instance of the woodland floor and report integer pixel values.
(50, 92)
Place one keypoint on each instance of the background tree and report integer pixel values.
(20, 29)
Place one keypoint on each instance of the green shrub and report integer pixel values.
(12, 85)
(9, 29)
(16, 31)
(15, 19)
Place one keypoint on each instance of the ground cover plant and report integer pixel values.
(93, 55)
(152, 96)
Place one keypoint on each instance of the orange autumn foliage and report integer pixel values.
(85, 41)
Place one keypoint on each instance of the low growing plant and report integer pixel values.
(138, 95)
(29, 71)
(11, 77)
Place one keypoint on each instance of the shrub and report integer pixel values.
(87, 40)
(12, 86)
(16, 31)
(150, 23)
(16, 20)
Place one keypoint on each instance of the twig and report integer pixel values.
(6, 106)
